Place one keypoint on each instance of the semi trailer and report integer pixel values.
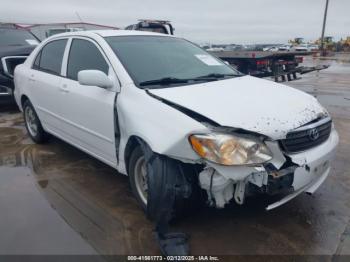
(280, 65)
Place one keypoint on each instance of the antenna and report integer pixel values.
(81, 20)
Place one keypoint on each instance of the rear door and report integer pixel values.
(45, 79)
(88, 111)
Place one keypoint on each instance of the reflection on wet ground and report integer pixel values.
(85, 207)
(87, 194)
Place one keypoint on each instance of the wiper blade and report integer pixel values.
(164, 81)
(174, 80)
(214, 75)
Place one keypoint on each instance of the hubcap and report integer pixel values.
(141, 179)
(31, 121)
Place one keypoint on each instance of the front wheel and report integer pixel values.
(138, 177)
(33, 124)
(163, 183)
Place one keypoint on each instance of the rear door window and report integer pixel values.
(84, 55)
(50, 58)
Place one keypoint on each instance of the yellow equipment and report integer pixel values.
(328, 43)
(296, 41)
(345, 44)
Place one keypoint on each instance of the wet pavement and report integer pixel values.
(54, 199)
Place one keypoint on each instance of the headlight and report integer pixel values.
(230, 149)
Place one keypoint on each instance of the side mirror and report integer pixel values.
(94, 78)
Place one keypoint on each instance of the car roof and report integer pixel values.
(107, 33)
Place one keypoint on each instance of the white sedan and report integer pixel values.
(174, 118)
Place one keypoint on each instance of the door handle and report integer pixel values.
(64, 89)
(32, 78)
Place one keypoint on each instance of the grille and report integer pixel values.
(307, 137)
(9, 63)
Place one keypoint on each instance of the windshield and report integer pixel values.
(156, 61)
(16, 37)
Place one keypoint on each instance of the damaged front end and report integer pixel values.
(299, 163)
(247, 148)
(287, 152)
(265, 166)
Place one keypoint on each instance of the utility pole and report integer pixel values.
(323, 53)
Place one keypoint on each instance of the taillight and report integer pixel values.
(262, 62)
(299, 59)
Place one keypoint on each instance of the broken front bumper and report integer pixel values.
(309, 171)
(314, 168)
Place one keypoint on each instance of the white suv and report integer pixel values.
(177, 120)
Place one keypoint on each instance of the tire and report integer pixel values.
(164, 172)
(33, 124)
(135, 159)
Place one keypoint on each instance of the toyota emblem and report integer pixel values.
(314, 134)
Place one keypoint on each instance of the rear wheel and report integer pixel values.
(33, 124)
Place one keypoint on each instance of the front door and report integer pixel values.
(88, 111)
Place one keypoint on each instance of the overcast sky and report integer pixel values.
(220, 21)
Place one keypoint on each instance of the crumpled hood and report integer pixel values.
(249, 103)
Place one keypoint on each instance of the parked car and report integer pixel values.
(175, 119)
(15, 46)
(314, 47)
(151, 25)
(301, 48)
(284, 48)
(277, 48)
(271, 49)
(215, 49)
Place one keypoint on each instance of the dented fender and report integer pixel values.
(136, 116)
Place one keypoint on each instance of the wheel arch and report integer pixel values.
(132, 143)
(24, 98)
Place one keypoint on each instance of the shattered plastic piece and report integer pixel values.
(239, 192)
(219, 189)
(278, 157)
(257, 178)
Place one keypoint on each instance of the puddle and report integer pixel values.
(29, 225)
(88, 197)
